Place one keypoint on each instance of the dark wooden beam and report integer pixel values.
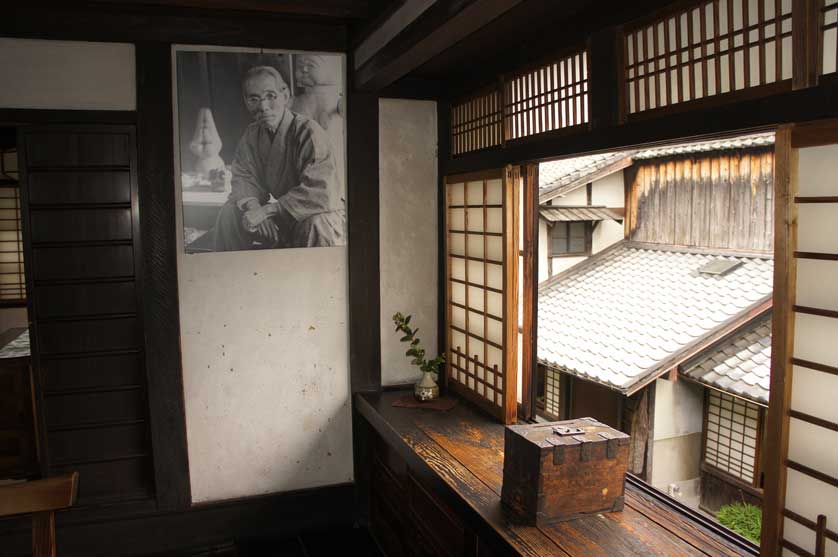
(339, 9)
(160, 283)
(440, 27)
(363, 224)
(109, 24)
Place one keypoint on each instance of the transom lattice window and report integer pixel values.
(829, 50)
(12, 277)
(476, 123)
(482, 287)
(716, 47)
(551, 97)
(732, 430)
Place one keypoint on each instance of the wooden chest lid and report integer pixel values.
(568, 432)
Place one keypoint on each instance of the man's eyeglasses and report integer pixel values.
(254, 100)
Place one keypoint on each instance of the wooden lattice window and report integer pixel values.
(829, 39)
(550, 97)
(714, 48)
(731, 435)
(476, 123)
(12, 277)
(552, 393)
(482, 289)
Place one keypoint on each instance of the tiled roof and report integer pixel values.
(741, 142)
(740, 364)
(560, 177)
(632, 312)
(575, 214)
(557, 178)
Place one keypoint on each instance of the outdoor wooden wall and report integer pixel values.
(709, 200)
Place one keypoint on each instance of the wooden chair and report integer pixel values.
(41, 498)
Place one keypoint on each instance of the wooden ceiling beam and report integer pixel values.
(440, 27)
(337, 9)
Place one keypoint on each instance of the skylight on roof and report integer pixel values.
(719, 267)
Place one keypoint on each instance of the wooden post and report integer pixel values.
(511, 210)
(782, 341)
(805, 40)
(528, 347)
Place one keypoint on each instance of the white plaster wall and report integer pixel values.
(408, 229)
(265, 350)
(609, 191)
(679, 408)
(543, 250)
(67, 75)
(576, 198)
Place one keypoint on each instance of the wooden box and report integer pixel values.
(562, 470)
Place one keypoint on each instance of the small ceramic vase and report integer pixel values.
(426, 388)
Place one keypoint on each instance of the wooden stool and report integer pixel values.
(41, 498)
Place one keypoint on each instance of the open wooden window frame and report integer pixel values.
(462, 375)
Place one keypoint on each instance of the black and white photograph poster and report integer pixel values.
(262, 154)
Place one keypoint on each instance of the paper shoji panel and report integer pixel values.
(810, 505)
(551, 97)
(476, 123)
(732, 429)
(714, 48)
(829, 51)
(481, 297)
(552, 393)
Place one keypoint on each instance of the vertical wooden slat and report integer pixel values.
(636, 63)
(43, 534)
(731, 56)
(510, 289)
(447, 262)
(717, 33)
(703, 31)
(690, 52)
(645, 58)
(529, 332)
(679, 59)
(782, 340)
(666, 40)
(656, 54)
(820, 536)
(746, 41)
(485, 284)
(778, 40)
(761, 24)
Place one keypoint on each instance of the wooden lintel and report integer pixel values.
(38, 496)
(440, 27)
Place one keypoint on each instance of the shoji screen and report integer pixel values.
(481, 223)
(802, 489)
(829, 38)
(712, 48)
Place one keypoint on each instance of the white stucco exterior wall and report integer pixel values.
(408, 229)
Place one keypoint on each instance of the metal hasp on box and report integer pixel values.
(562, 470)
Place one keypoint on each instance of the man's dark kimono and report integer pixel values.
(296, 166)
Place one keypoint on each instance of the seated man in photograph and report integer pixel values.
(287, 156)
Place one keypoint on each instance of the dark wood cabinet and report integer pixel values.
(406, 519)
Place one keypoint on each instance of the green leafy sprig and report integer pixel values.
(415, 350)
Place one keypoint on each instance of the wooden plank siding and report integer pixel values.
(711, 200)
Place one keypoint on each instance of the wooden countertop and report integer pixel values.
(463, 451)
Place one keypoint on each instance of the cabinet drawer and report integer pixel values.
(437, 520)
